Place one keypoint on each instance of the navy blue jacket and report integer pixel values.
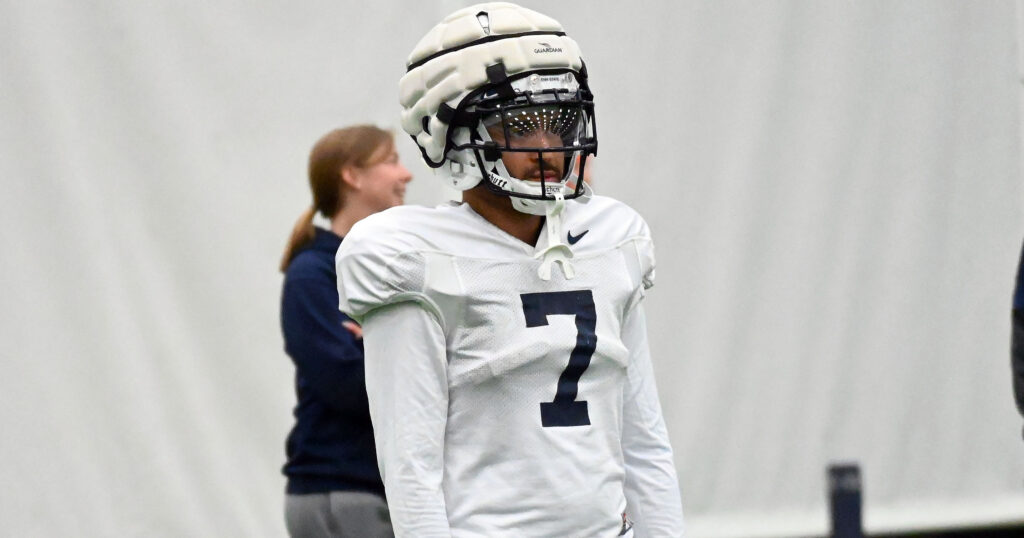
(331, 446)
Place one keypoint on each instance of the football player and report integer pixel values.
(507, 365)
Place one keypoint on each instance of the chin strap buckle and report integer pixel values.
(557, 251)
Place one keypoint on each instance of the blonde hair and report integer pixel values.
(339, 149)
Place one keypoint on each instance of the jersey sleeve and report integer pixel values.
(377, 266)
(640, 261)
(645, 251)
(652, 488)
(407, 386)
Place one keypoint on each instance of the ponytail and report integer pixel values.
(302, 235)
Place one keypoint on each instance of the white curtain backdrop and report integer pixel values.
(834, 189)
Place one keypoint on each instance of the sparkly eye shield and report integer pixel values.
(558, 120)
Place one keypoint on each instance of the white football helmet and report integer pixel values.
(496, 78)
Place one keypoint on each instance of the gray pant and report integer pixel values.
(338, 514)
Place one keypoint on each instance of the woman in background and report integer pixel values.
(334, 488)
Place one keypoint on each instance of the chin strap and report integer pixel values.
(557, 250)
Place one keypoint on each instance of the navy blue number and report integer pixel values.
(565, 410)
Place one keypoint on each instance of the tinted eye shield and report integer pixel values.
(538, 129)
(552, 101)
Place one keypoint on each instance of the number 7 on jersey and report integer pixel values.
(565, 410)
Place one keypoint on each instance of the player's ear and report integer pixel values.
(350, 177)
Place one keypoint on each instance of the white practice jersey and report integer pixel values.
(527, 420)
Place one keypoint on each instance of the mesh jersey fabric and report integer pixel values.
(506, 465)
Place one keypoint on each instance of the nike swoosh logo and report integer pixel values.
(574, 238)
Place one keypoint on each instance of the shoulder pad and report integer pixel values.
(379, 264)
